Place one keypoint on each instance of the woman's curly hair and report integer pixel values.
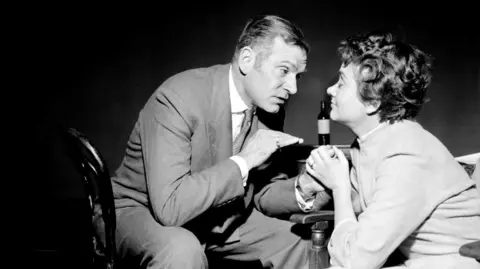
(389, 73)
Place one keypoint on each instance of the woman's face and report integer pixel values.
(346, 106)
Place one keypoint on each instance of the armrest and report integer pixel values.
(318, 256)
(306, 218)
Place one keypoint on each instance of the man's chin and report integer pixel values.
(272, 108)
(274, 111)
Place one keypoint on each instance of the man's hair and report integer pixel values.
(389, 73)
(260, 31)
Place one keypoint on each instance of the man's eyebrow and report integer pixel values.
(288, 62)
(301, 70)
(293, 65)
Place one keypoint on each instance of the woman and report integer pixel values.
(404, 190)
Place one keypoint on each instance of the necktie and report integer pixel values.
(238, 142)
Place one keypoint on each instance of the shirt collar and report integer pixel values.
(365, 136)
(238, 106)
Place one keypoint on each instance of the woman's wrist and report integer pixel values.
(343, 189)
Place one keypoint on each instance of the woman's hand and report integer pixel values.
(330, 166)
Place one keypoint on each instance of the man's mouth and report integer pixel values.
(282, 100)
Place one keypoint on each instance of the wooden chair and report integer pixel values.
(92, 167)
(318, 256)
(90, 164)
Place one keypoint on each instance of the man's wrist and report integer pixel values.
(305, 186)
(242, 164)
(247, 162)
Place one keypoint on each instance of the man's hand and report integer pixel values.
(309, 186)
(263, 143)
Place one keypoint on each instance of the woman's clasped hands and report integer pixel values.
(329, 165)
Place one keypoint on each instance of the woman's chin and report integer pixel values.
(334, 117)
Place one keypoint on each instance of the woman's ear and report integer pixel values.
(372, 107)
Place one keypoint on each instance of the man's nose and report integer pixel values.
(291, 87)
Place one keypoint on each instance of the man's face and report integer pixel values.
(270, 83)
(346, 106)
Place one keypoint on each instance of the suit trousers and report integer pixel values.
(143, 242)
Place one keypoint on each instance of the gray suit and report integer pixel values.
(177, 173)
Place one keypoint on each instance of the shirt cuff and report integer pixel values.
(306, 205)
(242, 164)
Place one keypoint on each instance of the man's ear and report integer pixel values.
(246, 59)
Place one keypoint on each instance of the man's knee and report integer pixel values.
(182, 243)
(179, 249)
(143, 241)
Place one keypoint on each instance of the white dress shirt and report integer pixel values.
(238, 109)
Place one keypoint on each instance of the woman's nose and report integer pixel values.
(331, 90)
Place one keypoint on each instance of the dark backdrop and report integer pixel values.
(94, 67)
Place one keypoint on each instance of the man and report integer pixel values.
(185, 186)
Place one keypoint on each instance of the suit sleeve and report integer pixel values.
(275, 194)
(279, 197)
(176, 194)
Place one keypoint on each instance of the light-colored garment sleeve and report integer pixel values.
(242, 164)
(340, 236)
(476, 174)
(397, 207)
(305, 206)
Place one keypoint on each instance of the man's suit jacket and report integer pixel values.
(177, 158)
